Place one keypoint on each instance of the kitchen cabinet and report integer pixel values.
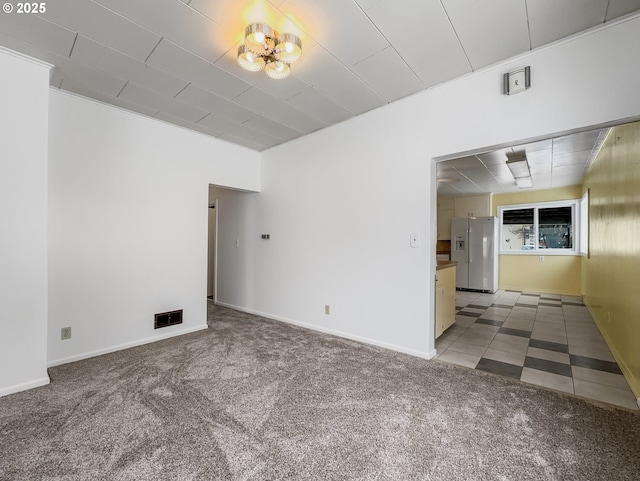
(445, 214)
(445, 296)
(472, 206)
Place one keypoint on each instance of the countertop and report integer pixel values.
(445, 264)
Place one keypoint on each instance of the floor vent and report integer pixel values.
(165, 319)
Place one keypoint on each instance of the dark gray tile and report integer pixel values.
(476, 306)
(490, 322)
(532, 306)
(530, 294)
(509, 290)
(501, 368)
(597, 364)
(572, 303)
(548, 366)
(503, 306)
(514, 332)
(550, 346)
(470, 314)
(549, 304)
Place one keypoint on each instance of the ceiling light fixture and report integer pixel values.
(264, 48)
(520, 170)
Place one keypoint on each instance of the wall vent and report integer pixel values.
(165, 319)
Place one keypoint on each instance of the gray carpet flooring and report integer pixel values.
(254, 399)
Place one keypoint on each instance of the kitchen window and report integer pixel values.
(548, 227)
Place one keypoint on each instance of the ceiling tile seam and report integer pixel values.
(182, 89)
(526, 11)
(153, 50)
(348, 69)
(203, 117)
(202, 14)
(457, 36)
(126, 19)
(123, 87)
(390, 45)
(75, 39)
(270, 120)
(606, 11)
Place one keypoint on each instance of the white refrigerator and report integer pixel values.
(475, 249)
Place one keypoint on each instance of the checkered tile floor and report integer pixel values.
(543, 339)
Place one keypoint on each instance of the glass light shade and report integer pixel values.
(277, 69)
(249, 60)
(259, 38)
(288, 48)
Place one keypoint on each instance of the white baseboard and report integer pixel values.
(346, 335)
(126, 345)
(43, 381)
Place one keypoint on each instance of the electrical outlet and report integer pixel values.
(65, 333)
(327, 309)
(541, 258)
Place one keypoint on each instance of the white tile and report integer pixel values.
(580, 350)
(186, 124)
(434, 53)
(99, 23)
(278, 110)
(388, 74)
(222, 108)
(549, 328)
(272, 128)
(547, 355)
(139, 95)
(490, 30)
(177, 22)
(617, 8)
(516, 358)
(507, 346)
(608, 394)
(460, 346)
(521, 324)
(523, 313)
(80, 89)
(600, 377)
(547, 379)
(38, 32)
(326, 74)
(101, 57)
(94, 80)
(339, 26)
(171, 58)
(319, 106)
(476, 340)
(550, 20)
(460, 358)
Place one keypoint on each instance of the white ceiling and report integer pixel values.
(557, 162)
(175, 59)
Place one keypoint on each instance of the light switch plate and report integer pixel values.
(414, 239)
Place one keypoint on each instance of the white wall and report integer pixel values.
(24, 90)
(128, 214)
(340, 204)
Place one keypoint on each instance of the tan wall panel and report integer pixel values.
(556, 275)
(611, 275)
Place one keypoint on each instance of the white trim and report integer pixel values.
(26, 58)
(536, 206)
(345, 335)
(126, 345)
(43, 381)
